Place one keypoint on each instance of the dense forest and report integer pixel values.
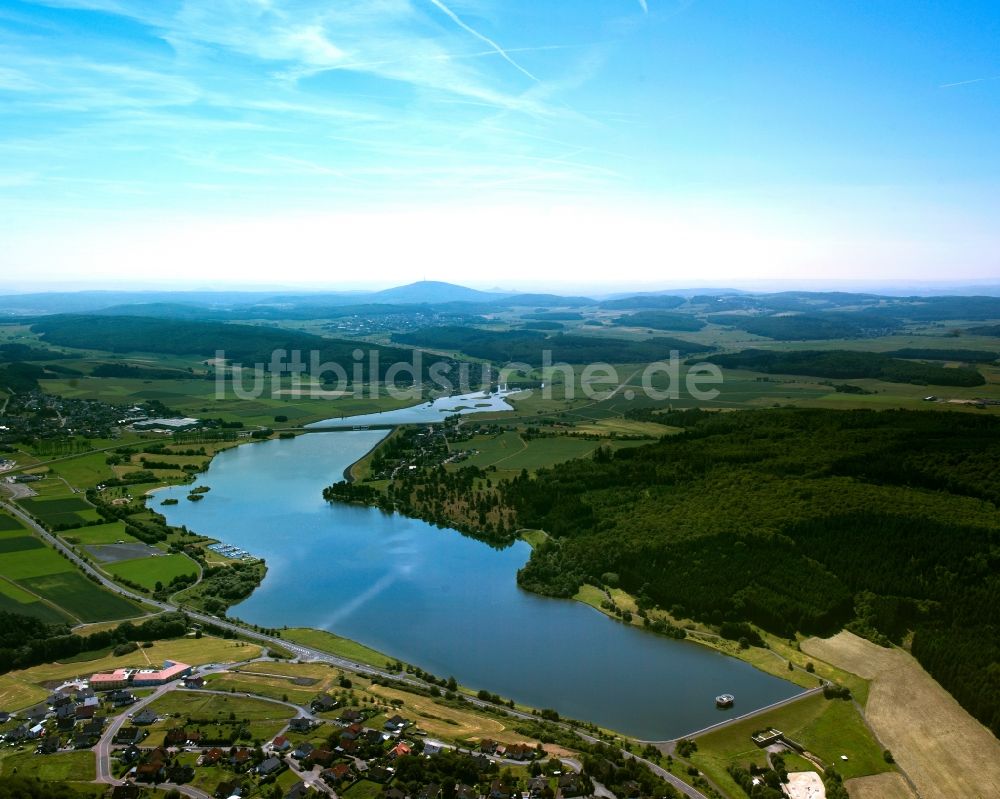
(796, 520)
(812, 326)
(243, 344)
(527, 346)
(848, 364)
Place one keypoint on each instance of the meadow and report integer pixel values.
(147, 572)
(827, 728)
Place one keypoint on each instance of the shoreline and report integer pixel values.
(533, 538)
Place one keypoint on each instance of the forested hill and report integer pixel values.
(797, 520)
(243, 344)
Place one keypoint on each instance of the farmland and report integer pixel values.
(147, 572)
(908, 711)
(39, 581)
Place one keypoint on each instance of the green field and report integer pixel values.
(98, 534)
(61, 511)
(8, 522)
(218, 706)
(85, 471)
(82, 597)
(36, 569)
(335, 645)
(147, 572)
(77, 766)
(14, 599)
(827, 728)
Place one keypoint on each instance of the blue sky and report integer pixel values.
(502, 142)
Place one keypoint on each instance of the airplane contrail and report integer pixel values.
(966, 82)
(645, 6)
(503, 53)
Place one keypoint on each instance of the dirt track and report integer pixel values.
(944, 751)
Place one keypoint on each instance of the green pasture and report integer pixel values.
(109, 533)
(147, 572)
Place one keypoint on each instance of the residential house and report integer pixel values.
(336, 774)
(298, 791)
(537, 786)
(300, 724)
(570, 785)
(430, 791)
(271, 765)
(463, 791)
(303, 750)
(321, 757)
(144, 717)
(399, 750)
(350, 717)
(194, 682)
(131, 753)
(280, 744)
(395, 724)
(432, 748)
(487, 746)
(240, 759)
(211, 756)
(323, 703)
(127, 735)
(228, 789)
(395, 793)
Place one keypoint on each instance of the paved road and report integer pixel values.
(308, 653)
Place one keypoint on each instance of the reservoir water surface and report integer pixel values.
(445, 602)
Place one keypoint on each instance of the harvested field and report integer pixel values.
(944, 751)
(880, 786)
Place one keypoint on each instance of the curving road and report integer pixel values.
(305, 652)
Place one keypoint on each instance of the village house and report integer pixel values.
(127, 735)
(280, 744)
(322, 703)
(144, 717)
(303, 750)
(300, 724)
(270, 766)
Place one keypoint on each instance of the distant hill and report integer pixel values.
(427, 291)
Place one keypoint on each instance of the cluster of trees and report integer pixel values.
(26, 641)
(847, 364)
(661, 320)
(222, 586)
(527, 346)
(447, 769)
(795, 520)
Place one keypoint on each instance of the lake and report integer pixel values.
(425, 413)
(445, 602)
